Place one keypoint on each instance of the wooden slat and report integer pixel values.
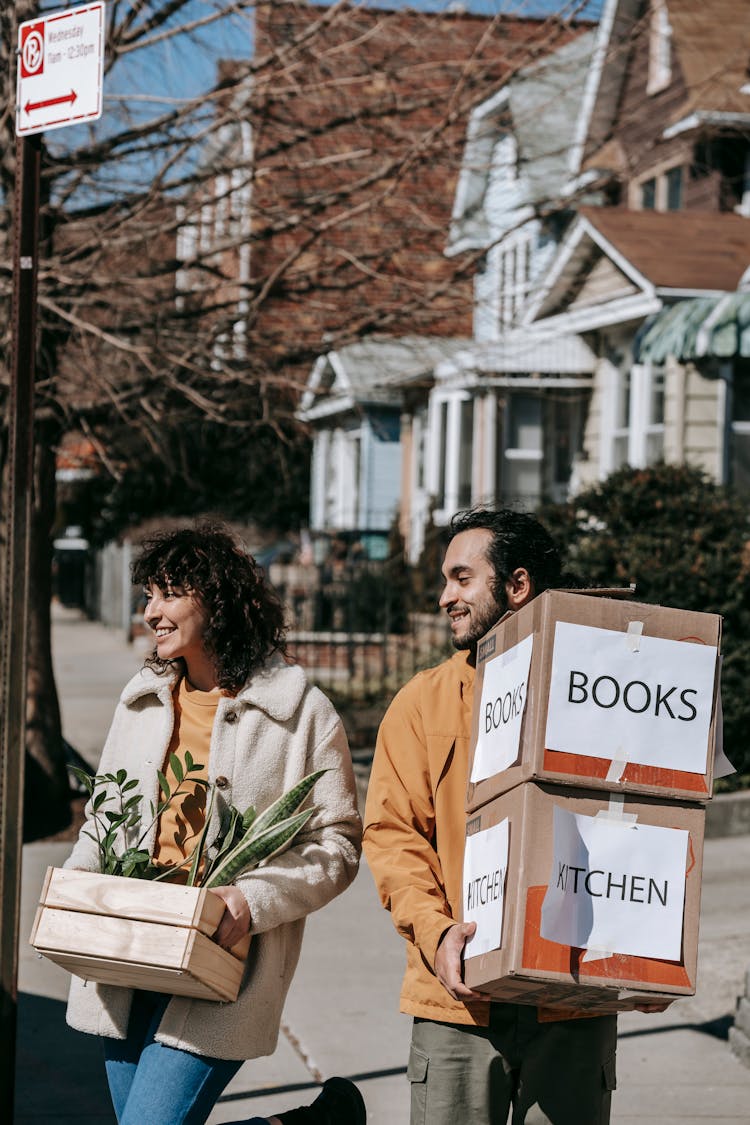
(91, 893)
(171, 981)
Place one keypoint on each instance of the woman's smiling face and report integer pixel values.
(178, 619)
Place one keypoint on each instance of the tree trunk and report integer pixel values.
(47, 790)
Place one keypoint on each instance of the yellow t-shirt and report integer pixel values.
(181, 823)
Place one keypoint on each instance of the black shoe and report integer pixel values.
(338, 1103)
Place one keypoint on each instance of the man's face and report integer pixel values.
(468, 595)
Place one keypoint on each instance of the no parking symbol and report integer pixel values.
(32, 50)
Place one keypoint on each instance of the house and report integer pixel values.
(353, 403)
(620, 274)
(608, 186)
(505, 415)
(664, 136)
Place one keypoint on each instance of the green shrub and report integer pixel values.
(685, 542)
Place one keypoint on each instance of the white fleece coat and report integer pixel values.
(276, 730)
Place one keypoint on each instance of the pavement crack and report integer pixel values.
(302, 1053)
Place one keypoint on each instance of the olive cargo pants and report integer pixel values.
(557, 1073)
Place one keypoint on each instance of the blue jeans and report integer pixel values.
(152, 1084)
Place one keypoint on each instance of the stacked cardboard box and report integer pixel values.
(595, 721)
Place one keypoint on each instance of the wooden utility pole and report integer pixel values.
(17, 501)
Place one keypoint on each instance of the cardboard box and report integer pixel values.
(597, 692)
(583, 902)
(137, 934)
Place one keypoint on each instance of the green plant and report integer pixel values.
(244, 841)
(249, 839)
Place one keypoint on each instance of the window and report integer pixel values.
(442, 454)
(637, 436)
(465, 448)
(740, 433)
(674, 189)
(420, 445)
(654, 414)
(621, 432)
(662, 192)
(504, 167)
(514, 277)
(564, 418)
(659, 49)
(744, 207)
(524, 449)
(648, 195)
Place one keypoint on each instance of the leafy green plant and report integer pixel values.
(244, 841)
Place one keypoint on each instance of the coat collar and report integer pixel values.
(277, 688)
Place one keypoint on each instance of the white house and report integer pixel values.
(505, 416)
(353, 402)
(649, 279)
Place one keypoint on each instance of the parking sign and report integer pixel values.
(60, 65)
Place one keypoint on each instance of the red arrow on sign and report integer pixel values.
(31, 106)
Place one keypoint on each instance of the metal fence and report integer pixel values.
(352, 625)
(352, 628)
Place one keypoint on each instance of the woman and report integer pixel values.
(218, 685)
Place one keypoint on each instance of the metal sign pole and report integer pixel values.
(17, 506)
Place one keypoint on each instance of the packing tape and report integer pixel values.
(633, 635)
(614, 811)
(616, 769)
(596, 954)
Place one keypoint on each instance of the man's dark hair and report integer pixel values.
(518, 540)
(245, 618)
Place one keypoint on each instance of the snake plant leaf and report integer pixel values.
(285, 805)
(248, 854)
(230, 833)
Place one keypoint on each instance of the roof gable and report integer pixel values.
(710, 44)
(538, 108)
(372, 371)
(611, 253)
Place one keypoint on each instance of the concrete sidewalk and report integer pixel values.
(342, 1013)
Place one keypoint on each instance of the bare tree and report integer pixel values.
(201, 247)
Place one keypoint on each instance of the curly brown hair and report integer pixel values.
(245, 623)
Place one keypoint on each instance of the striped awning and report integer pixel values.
(701, 327)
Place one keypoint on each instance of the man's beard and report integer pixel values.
(487, 615)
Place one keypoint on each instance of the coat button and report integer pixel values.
(222, 782)
(231, 716)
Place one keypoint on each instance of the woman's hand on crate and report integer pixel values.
(235, 921)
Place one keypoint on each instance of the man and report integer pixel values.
(471, 1060)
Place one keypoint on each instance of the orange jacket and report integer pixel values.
(415, 826)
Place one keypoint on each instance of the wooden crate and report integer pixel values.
(136, 934)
